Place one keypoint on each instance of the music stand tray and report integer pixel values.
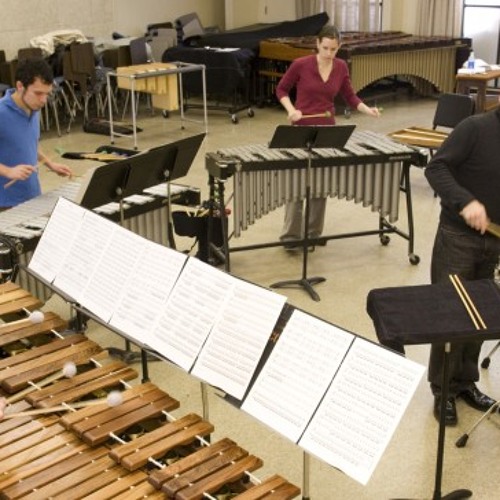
(308, 137)
(433, 314)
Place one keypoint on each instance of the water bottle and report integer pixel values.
(471, 62)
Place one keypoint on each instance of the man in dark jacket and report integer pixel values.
(465, 173)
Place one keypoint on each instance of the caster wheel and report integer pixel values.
(414, 259)
(250, 113)
(165, 113)
(234, 119)
(485, 363)
(384, 240)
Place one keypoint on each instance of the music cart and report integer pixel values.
(229, 77)
(435, 314)
(163, 81)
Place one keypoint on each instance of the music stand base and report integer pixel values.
(306, 283)
(454, 495)
(128, 356)
(457, 495)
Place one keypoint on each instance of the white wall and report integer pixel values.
(398, 15)
(21, 21)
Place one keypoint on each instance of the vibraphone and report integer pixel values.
(424, 61)
(65, 441)
(371, 169)
(145, 214)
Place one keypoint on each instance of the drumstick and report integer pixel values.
(33, 317)
(326, 114)
(494, 229)
(114, 398)
(68, 371)
(467, 302)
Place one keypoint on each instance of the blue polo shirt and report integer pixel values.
(19, 136)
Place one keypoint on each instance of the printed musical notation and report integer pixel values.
(338, 396)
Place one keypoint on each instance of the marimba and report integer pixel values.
(371, 170)
(426, 62)
(67, 442)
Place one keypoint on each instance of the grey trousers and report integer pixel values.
(293, 225)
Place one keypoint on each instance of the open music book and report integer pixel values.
(337, 395)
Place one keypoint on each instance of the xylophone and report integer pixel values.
(424, 61)
(419, 136)
(59, 438)
(145, 214)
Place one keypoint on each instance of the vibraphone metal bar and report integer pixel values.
(372, 169)
(145, 215)
(131, 450)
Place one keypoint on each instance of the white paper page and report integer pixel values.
(362, 408)
(118, 261)
(147, 290)
(57, 239)
(297, 374)
(191, 311)
(236, 343)
(84, 255)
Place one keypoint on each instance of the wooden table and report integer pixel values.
(479, 81)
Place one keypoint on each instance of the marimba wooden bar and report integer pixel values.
(131, 450)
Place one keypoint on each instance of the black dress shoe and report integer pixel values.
(476, 399)
(450, 416)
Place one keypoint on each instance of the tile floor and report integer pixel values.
(352, 267)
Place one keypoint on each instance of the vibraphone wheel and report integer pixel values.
(414, 259)
(384, 240)
(165, 113)
(250, 113)
(234, 118)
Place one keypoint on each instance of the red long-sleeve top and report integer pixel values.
(313, 95)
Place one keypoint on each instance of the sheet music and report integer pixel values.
(297, 374)
(112, 270)
(85, 252)
(146, 293)
(362, 408)
(192, 309)
(237, 341)
(57, 239)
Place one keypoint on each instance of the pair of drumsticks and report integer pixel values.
(467, 302)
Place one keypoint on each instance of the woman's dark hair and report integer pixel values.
(329, 31)
(30, 69)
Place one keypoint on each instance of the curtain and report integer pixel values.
(306, 8)
(439, 17)
(347, 15)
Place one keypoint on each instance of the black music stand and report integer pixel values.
(163, 164)
(132, 175)
(308, 138)
(433, 314)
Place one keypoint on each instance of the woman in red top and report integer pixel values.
(317, 80)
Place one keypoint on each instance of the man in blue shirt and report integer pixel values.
(20, 133)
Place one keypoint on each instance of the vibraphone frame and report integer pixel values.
(221, 169)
